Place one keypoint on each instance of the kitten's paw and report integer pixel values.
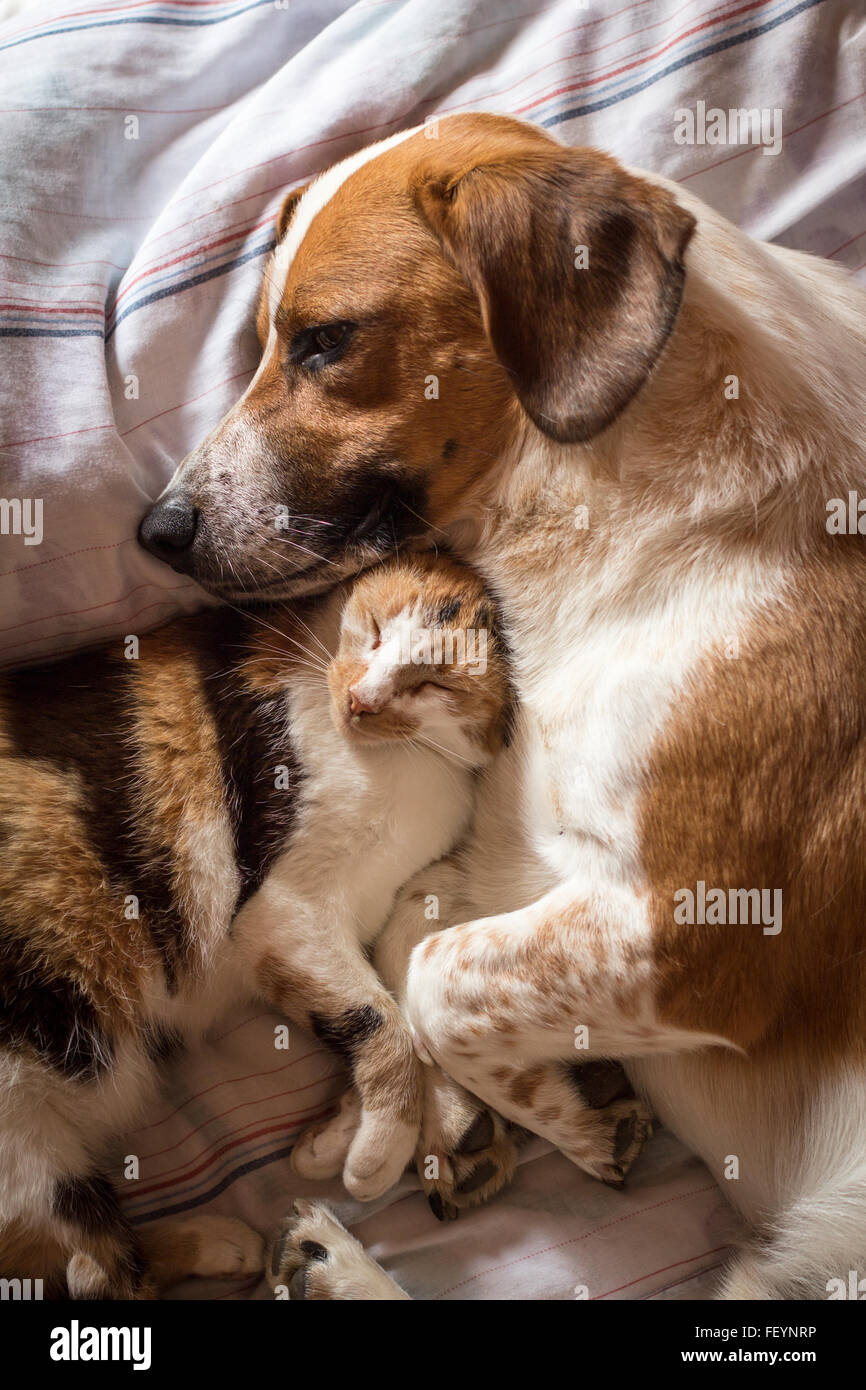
(379, 1154)
(321, 1151)
(466, 1152)
(314, 1258)
(221, 1247)
(619, 1132)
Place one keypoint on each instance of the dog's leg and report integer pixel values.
(314, 1258)
(503, 1002)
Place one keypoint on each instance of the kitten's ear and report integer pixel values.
(287, 210)
(578, 268)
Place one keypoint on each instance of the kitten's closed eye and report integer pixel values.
(416, 665)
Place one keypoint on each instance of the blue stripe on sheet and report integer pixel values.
(136, 19)
(226, 1163)
(51, 333)
(185, 269)
(732, 42)
(168, 290)
(230, 1178)
(681, 45)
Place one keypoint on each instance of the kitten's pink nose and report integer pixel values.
(359, 705)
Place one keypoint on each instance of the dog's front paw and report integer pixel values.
(466, 1152)
(313, 1258)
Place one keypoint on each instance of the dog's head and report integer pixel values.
(426, 301)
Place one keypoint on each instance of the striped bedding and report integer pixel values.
(144, 149)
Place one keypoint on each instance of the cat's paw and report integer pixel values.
(321, 1151)
(221, 1247)
(313, 1258)
(466, 1152)
(379, 1154)
(371, 1148)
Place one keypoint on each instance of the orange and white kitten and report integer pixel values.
(232, 812)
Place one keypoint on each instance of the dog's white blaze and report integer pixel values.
(320, 192)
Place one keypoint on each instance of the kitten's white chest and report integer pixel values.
(370, 816)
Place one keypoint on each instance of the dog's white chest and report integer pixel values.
(585, 764)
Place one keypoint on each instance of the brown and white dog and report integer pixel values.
(633, 419)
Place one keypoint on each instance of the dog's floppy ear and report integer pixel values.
(578, 267)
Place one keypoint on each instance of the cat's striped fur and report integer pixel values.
(231, 810)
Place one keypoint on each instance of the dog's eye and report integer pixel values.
(318, 346)
(329, 337)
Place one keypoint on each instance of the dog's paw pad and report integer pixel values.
(462, 1167)
(618, 1138)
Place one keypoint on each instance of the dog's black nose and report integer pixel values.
(168, 529)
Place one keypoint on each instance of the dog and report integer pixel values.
(641, 426)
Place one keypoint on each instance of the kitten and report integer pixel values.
(231, 812)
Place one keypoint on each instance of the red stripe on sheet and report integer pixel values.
(226, 1148)
(46, 438)
(849, 242)
(228, 1033)
(228, 1081)
(243, 223)
(46, 285)
(238, 1135)
(139, 110)
(199, 249)
(751, 149)
(628, 67)
(170, 409)
(83, 633)
(675, 1283)
(31, 307)
(83, 216)
(109, 603)
(58, 265)
(67, 555)
(663, 1270)
(575, 1240)
(586, 53)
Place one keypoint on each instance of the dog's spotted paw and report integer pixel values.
(466, 1152)
(314, 1258)
(619, 1132)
